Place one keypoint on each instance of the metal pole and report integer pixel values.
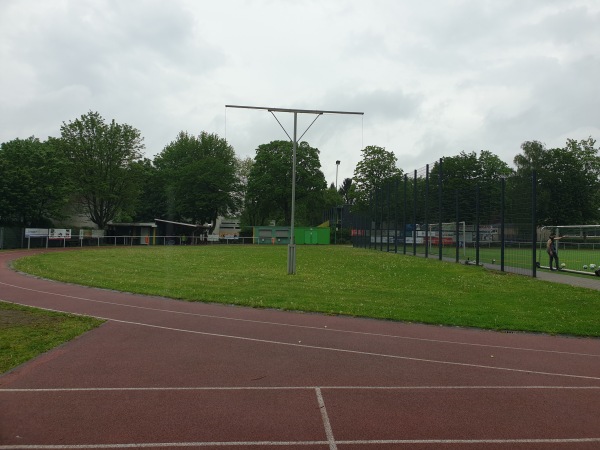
(388, 216)
(337, 165)
(396, 216)
(533, 222)
(502, 219)
(457, 229)
(440, 208)
(404, 212)
(415, 213)
(292, 244)
(477, 220)
(427, 211)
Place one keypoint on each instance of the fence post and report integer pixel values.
(396, 215)
(372, 222)
(388, 216)
(404, 213)
(426, 218)
(441, 204)
(457, 228)
(414, 227)
(381, 221)
(533, 223)
(477, 221)
(502, 220)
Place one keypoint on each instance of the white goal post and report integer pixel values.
(449, 237)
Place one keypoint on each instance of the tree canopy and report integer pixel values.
(199, 178)
(377, 164)
(98, 166)
(269, 192)
(568, 180)
(34, 186)
(101, 157)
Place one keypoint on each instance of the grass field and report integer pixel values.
(519, 256)
(27, 332)
(333, 280)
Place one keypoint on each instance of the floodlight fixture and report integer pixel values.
(291, 263)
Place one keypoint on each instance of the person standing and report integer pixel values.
(552, 251)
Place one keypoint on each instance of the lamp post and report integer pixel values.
(337, 165)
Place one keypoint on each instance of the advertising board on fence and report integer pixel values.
(89, 234)
(36, 232)
(59, 233)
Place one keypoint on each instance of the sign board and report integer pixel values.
(87, 234)
(36, 232)
(445, 240)
(59, 233)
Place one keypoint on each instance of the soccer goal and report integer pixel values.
(578, 248)
(450, 235)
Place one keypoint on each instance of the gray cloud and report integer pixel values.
(433, 78)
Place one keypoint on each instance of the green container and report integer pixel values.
(302, 235)
(312, 236)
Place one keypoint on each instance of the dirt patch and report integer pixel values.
(15, 318)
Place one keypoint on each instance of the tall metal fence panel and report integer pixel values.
(477, 221)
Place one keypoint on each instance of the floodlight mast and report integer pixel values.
(291, 263)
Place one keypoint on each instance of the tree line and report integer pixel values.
(97, 168)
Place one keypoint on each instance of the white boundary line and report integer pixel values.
(305, 388)
(326, 422)
(341, 350)
(209, 316)
(305, 443)
(357, 352)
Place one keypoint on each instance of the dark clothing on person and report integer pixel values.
(552, 252)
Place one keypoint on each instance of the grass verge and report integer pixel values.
(333, 280)
(27, 332)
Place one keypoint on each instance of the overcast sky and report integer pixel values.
(433, 77)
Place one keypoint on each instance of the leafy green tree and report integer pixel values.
(376, 166)
(151, 202)
(568, 180)
(346, 190)
(34, 182)
(468, 170)
(243, 169)
(533, 157)
(199, 178)
(101, 157)
(332, 198)
(269, 193)
(461, 176)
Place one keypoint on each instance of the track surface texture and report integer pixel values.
(170, 374)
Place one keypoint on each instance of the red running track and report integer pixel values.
(168, 374)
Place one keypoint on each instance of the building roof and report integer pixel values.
(191, 225)
(133, 224)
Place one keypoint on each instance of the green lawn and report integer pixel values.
(333, 280)
(27, 332)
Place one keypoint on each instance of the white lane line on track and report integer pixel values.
(354, 352)
(296, 388)
(306, 443)
(326, 422)
(209, 316)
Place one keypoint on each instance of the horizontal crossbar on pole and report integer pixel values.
(301, 111)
